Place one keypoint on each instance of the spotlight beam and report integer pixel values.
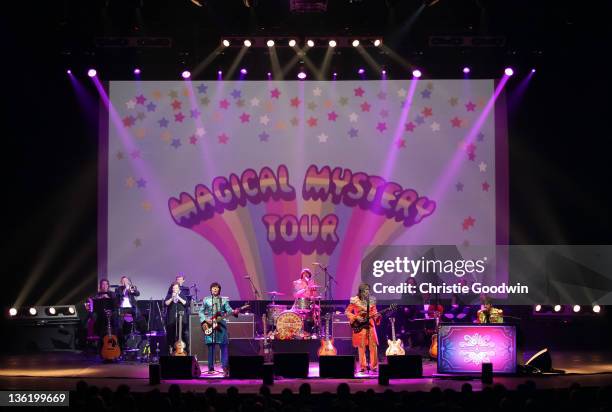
(206, 62)
(369, 59)
(236, 62)
(277, 72)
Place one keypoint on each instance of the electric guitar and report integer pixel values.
(110, 346)
(327, 344)
(267, 348)
(360, 322)
(179, 345)
(396, 346)
(433, 349)
(212, 324)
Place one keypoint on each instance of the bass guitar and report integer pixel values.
(361, 322)
(267, 348)
(179, 345)
(110, 346)
(396, 346)
(212, 324)
(327, 343)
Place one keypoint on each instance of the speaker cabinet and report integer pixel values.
(341, 366)
(246, 367)
(487, 373)
(179, 367)
(291, 365)
(341, 329)
(407, 366)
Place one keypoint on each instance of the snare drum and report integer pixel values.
(302, 304)
(289, 325)
(273, 312)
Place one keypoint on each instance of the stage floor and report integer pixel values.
(62, 370)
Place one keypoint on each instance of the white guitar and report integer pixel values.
(396, 346)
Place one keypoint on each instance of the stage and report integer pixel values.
(62, 371)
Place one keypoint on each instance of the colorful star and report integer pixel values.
(409, 127)
(328, 104)
(426, 94)
(280, 125)
(381, 95)
(435, 127)
(469, 106)
(312, 106)
(129, 121)
(275, 93)
(353, 132)
(245, 118)
(166, 136)
(176, 105)
(459, 187)
(193, 139)
(200, 131)
(295, 102)
(130, 104)
(322, 138)
(120, 155)
(472, 156)
(176, 143)
(294, 121)
(365, 107)
(480, 137)
(141, 116)
(254, 102)
(427, 111)
(482, 167)
(130, 182)
(316, 92)
(359, 92)
(400, 143)
(240, 102)
(151, 107)
(468, 222)
(264, 119)
(485, 186)
(179, 117)
(263, 137)
(381, 126)
(140, 99)
(353, 117)
(141, 183)
(173, 94)
(312, 121)
(223, 138)
(202, 88)
(236, 94)
(140, 133)
(419, 119)
(401, 93)
(146, 206)
(205, 100)
(456, 122)
(195, 113)
(332, 116)
(343, 101)
(453, 101)
(186, 92)
(156, 95)
(163, 122)
(224, 104)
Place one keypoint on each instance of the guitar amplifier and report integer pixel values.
(242, 327)
(341, 329)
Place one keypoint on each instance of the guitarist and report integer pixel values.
(176, 302)
(212, 306)
(363, 306)
(101, 302)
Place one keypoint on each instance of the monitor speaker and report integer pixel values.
(341, 366)
(487, 373)
(407, 366)
(291, 365)
(179, 367)
(246, 367)
(541, 362)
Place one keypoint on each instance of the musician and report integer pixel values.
(302, 286)
(176, 304)
(366, 338)
(489, 314)
(212, 306)
(184, 290)
(103, 301)
(125, 299)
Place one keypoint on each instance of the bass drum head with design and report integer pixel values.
(288, 325)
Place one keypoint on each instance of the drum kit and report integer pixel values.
(301, 321)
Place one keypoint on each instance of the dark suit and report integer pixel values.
(172, 315)
(120, 293)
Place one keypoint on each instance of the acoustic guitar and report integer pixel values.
(212, 324)
(327, 343)
(267, 347)
(396, 346)
(110, 346)
(360, 322)
(179, 345)
(433, 349)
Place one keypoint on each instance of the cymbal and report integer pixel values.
(275, 293)
(315, 286)
(316, 297)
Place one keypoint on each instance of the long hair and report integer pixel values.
(212, 285)
(361, 290)
(304, 272)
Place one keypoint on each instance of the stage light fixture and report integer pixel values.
(186, 74)
(335, 75)
(71, 310)
(532, 70)
(332, 43)
(136, 71)
(377, 42)
(417, 73)
(596, 308)
(466, 70)
(12, 312)
(355, 43)
(69, 71)
(225, 43)
(270, 43)
(384, 72)
(508, 71)
(361, 70)
(243, 71)
(301, 75)
(557, 308)
(32, 311)
(92, 72)
(247, 43)
(269, 75)
(576, 308)
(310, 43)
(292, 43)
(538, 308)
(51, 311)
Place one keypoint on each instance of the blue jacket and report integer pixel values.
(221, 304)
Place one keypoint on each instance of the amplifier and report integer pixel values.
(341, 329)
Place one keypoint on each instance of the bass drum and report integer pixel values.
(289, 325)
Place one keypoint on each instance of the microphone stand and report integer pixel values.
(328, 282)
(255, 291)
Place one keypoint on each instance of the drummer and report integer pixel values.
(304, 286)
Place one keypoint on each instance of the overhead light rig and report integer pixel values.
(301, 41)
